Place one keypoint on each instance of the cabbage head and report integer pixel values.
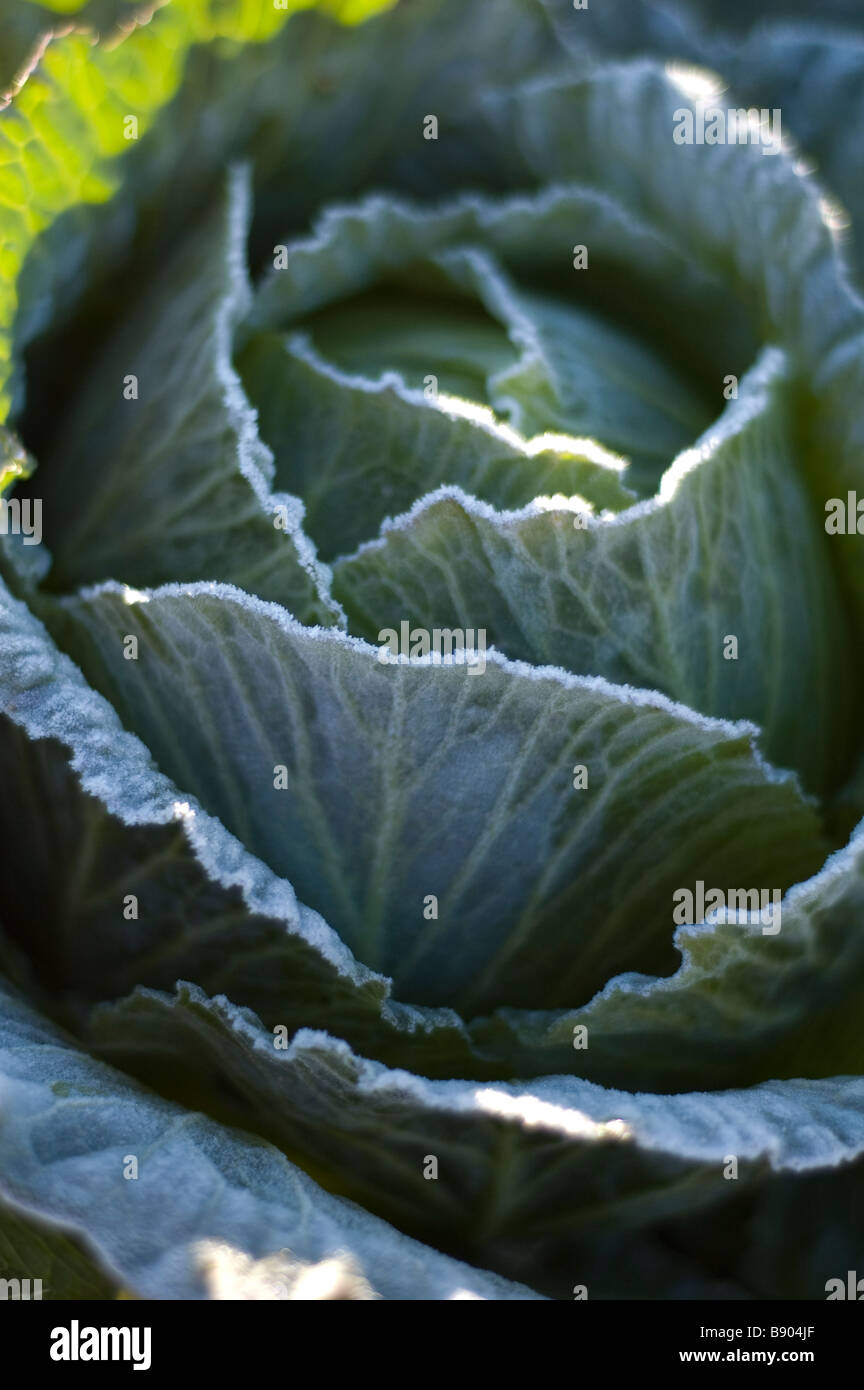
(431, 613)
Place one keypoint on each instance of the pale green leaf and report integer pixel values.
(373, 786)
(62, 135)
(358, 452)
(542, 1181)
(280, 102)
(779, 56)
(579, 373)
(389, 286)
(729, 549)
(750, 217)
(160, 471)
(815, 79)
(743, 1006)
(211, 1209)
(121, 878)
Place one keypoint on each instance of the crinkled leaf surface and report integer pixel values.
(351, 447)
(203, 1194)
(781, 55)
(208, 909)
(733, 203)
(544, 1178)
(24, 26)
(160, 472)
(730, 547)
(580, 374)
(569, 370)
(461, 786)
(61, 137)
(200, 903)
(743, 1006)
(312, 81)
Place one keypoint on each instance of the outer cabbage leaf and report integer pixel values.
(160, 472)
(208, 909)
(742, 1006)
(549, 1182)
(775, 57)
(815, 79)
(70, 1127)
(131, 882)
(26, 25)
(61, 137)
(461, 786)
(308, 81)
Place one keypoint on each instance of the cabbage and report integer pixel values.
(431, 598)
